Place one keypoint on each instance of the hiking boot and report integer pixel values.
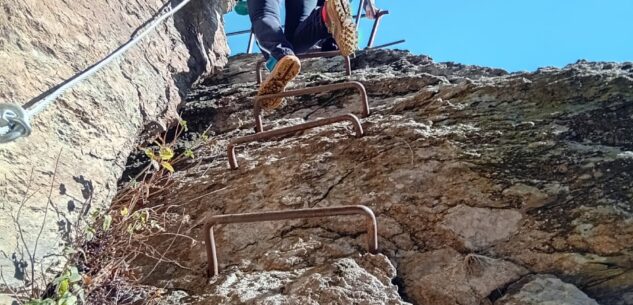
(286, 69)
(341, 26)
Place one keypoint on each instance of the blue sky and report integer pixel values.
(510, 34)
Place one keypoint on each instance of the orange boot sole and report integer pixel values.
(341, 26)
(286, 69)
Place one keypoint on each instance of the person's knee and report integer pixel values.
(268, 31)
(266, 23)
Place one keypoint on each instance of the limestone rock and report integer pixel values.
(343, 281)
(477, 177)
(481, 228)
(95, 126)
(447, 277)
(544, 289)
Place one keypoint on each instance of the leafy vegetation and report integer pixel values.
(98, 255)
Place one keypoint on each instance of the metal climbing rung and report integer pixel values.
(260, 134)
(230, 149)
(374, 28)
(389, 44)
(312, 90)
(348, 66)
(360, 13)
(212, 259)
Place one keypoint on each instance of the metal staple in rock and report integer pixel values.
(266, 135)
(359, 87)
(212, 257)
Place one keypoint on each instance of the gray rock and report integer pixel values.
(477, 178)
(447, 277)
(544, 290)
(95, 126)
(481, 228)
(343, 281)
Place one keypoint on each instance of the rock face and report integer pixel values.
(93, 127)
(477, 178)
(543, 289)
(364, 280)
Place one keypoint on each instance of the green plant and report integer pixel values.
(68, 290)
(142, 220)
(156, 176)
(124, 234)
(165, 154)
(108, 240)
(99, 220)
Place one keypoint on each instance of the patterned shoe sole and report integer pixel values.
(342, 26)
(286, 70)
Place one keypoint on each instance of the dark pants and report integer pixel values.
(304, 26)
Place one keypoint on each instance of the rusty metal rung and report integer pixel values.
(230, 149)
(319, 54)
(359, 87)
(374, 28)
(388, 44)
(212, 258)
(360, 10)
(348, 66)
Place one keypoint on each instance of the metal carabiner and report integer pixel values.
(14, 123)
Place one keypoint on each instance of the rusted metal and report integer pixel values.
(360, 10)
(388, 44)
(258, 71)
(212, 258)
(319, 54)
(374, 28)
(348, 67)
(238, 33)
(265, 135)
(251, 39)
(312, 90)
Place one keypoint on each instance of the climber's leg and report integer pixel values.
(331, 18)
(296, 12)
(304, 24)
(266, 24)
(282, 63)
(328, 44)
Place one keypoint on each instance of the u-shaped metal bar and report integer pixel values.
(348, 66)
(230, 150)
(374, 28)
(311, 90)
(212, 257)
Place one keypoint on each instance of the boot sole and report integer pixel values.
(285, 71)
(342, 27)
